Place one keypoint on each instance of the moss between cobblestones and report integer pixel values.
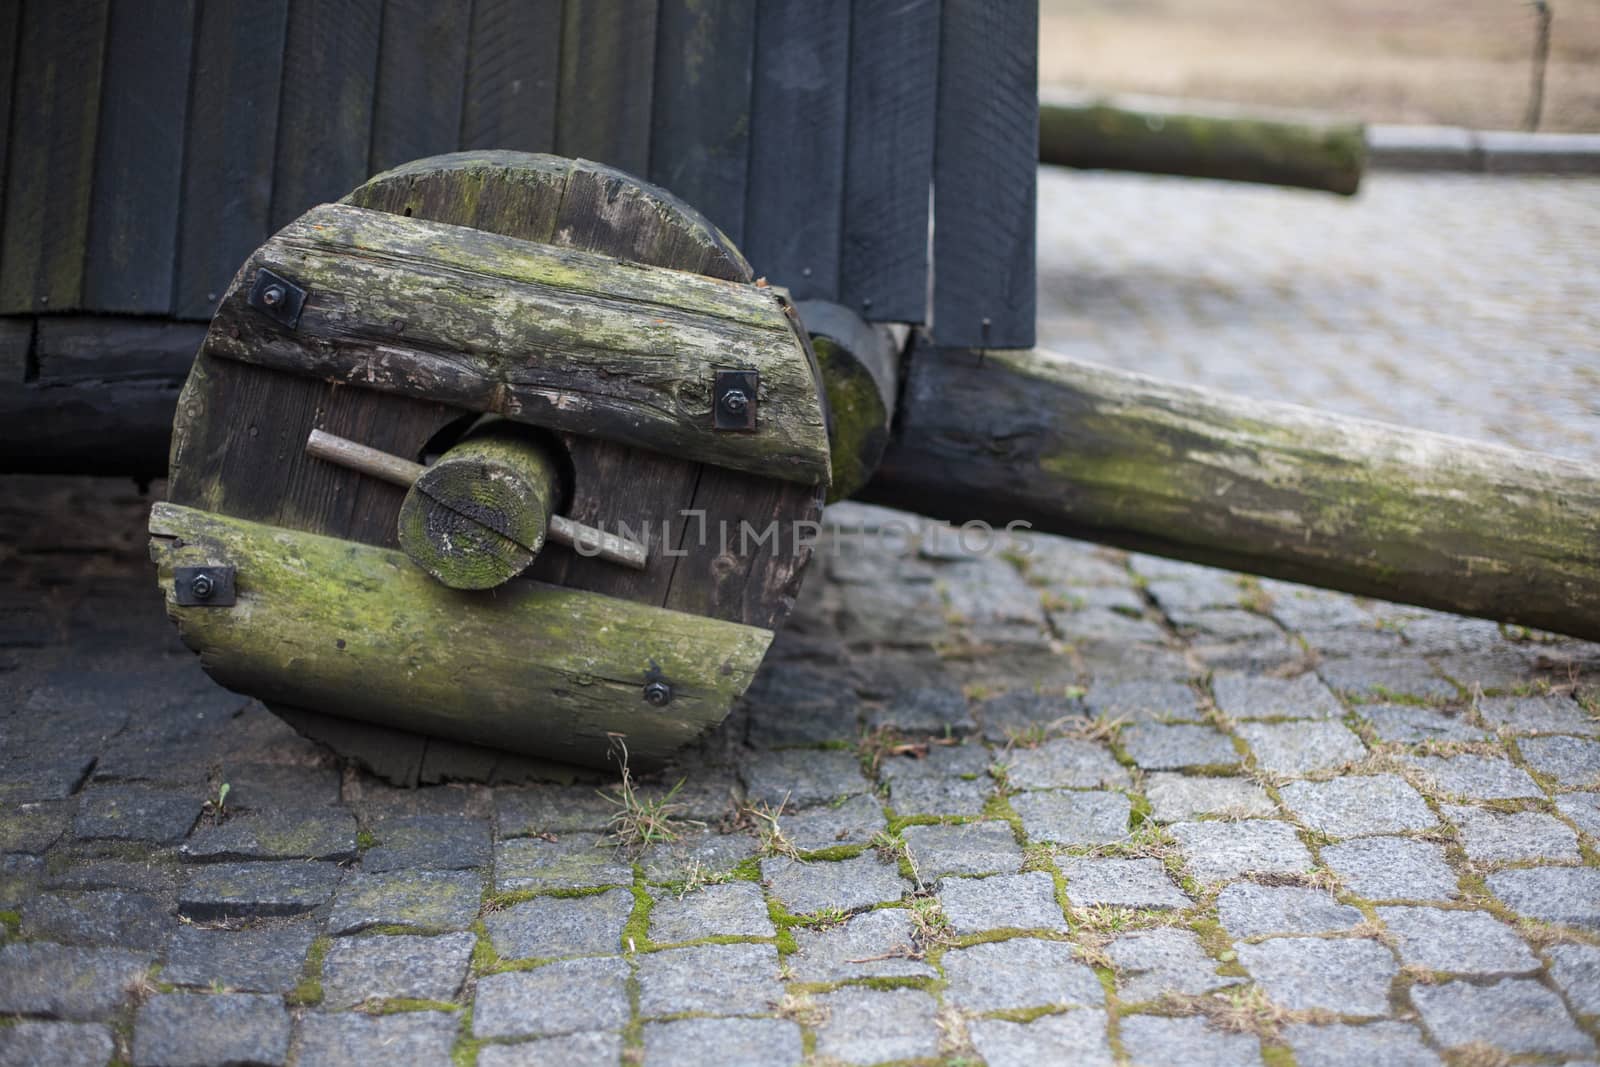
(308, 991)
(12, 921)
(636, 931)
(399, 1005)
(465, 1051)
(1275, 1055)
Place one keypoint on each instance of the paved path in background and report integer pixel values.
(1061, 806)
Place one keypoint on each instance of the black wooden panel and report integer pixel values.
(10, 18)
(133, 222)
(330, 72)
(795, 201)
(233, 128)
(986, 161)
(513, 63)
(608, 53)
(422, 65)
(894, 64)
(50, 170)
(16, 349)
(700, 135)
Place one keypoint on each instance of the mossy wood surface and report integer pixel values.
(1251, 485)
(528, 667)
(1202, 141)
(560, 338)
(860, 365)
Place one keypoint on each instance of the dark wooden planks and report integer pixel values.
(10, 16)
(232, 131)
(421, 70)
(50, 171)
(797, 142)
(894, 63)
(16, 349)
(133, 223)
(608, 53)
(330, 71)
(513, 64)
(700, 131)
(985, 173)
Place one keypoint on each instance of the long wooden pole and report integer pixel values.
(1269, 488)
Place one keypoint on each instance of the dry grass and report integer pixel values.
(1459, 62)
(641, 821)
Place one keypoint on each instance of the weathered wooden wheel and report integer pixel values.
(573, 351)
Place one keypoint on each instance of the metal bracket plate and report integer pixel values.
(204, 587)
(277, 297)
(733, 400)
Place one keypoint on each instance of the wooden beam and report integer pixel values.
(860, 365)
(1274, 489)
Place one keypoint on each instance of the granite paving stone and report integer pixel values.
(715, 979)
(1374, 680)
(1500, 837)
(1410, 724)
(1176, 797)
(1583, 809)
(1174, 746)
(1392, 868)
(1576, 969)
(1566, 895)
(874, 944)
(853, 822)
(70, 982)
(264, 960)
(551, 809)
(949, 780)
(738, 1043)
(317, 835)
(1457, 942)
(1017, 974)
(1345, 976)
(349, 1039)
(1355, 806)
(1137, 700)
(428, 842)
(1108, 626)
(247, 890)
(1214, 851)
(574, 862)
(200, 1030)
(568, 996)
(136, 813)
(1250, 910)
(1065, 762)
(419, 900)
(561, 926)
(357, 969)
(277, 786)
(1252, 696)
(1002, 901)
(156, 874)
(34, 827)
(935, 711)
(1538, 715)
(1073, 817)
(105, 917)
(1514, 1014)
(871, 1026)
(1392, 1044)
(1018, 712)
(1296, 748)
(1477, 777)
(1077, 1037)
(19, 880)
(806, 887)
(696, 853)
(47, 1044)
(801, 778)
(963, 848)
(1574, 762)
(592, 1049)
(1156, 1039)
(733, 909)
(1150, 963)
(1128, 883)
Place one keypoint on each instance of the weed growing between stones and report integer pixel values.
(639, 821)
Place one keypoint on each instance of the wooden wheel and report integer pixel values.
(259, 388)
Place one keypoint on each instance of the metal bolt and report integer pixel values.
(734, 402)
(657, 694)
(273, 295)
(201, 587)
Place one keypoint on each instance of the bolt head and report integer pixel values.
(202, 587)
(735, 402)
(657, 694)
(273, 295)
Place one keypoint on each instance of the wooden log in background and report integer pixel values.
(1196, 140)
(1252, 485)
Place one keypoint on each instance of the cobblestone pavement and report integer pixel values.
(1060, 805)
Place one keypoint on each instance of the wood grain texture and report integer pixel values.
(608, 53)
(985, 173)
(138, 175)
(513, 69)
(700, 127)
(422, 66)
(794, 204)
(330, 72)
(50, 155)
(894, 66)
(1245, 484)
(559, 338)
(323, 623)
(228, 158)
